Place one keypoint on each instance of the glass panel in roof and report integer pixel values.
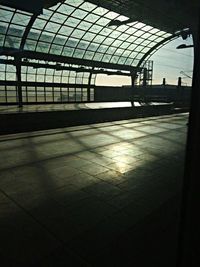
(52, 27)
(73, 22)
(99, 38)
(154, 30)
(126, 53)
(146, 42)
(75, 2)
(88, 55)
(100, 11)
(123, 36)
(3, 27)
(106, 58)
(93, 47)
(146, 35)
(56, 49)
(72, 42)
(79, 13)
(139, 25)
(139, 48)
(77, 33)
(30, 45)
(98, 56)
(47, 37)
(124, 45)
(15, 31)
(84, 25)
(117, 43)
(115, 34)
(42, 47)
(136, 61)
(106, 31)
(59, 18)
(152, 37)
(59, 39)
(119, 51)
(5, 15)
(111, 50)
(20, 19)
(65, 9)
(160, 33)
(88, 6)
(92, 17)
(96, 28)
(122, 60)
(131, 30)
(114, 59)
(159, 39)
(39, 23)
(102, 48)
(128, 61)
(12, 41)
(151, 44)
(111, 15)
(108, 41)
(89, 36)
(144, 49)
(65, 30)
(132, 46)
(139, 56)
(103, 21)
(123, 28)
(2, 37)
(47, 13)
(83, 44)
(34, 34)
(67, 51)
(139, 33)
(79, 53)
(147, 28)
(166, 35)
(139, 41)
(132, 39)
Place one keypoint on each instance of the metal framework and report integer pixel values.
(72, 43)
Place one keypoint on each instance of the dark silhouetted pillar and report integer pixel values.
(19, 86)
(189, 239)
(164, 81)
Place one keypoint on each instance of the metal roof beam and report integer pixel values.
(64, 59)
(60, 67)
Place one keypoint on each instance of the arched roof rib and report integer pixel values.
(79, 29)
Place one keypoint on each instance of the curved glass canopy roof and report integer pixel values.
(79, 29)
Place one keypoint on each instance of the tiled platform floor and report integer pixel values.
(99, 195)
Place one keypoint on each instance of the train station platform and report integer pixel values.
(42, 117)
(105, 194)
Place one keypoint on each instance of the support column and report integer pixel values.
(189, 236)
(89, 84)
(144, 82)
(164, 82)
(19, 86)
(179, 92)
(133, 80)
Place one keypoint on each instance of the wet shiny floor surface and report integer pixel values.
(104, 194)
